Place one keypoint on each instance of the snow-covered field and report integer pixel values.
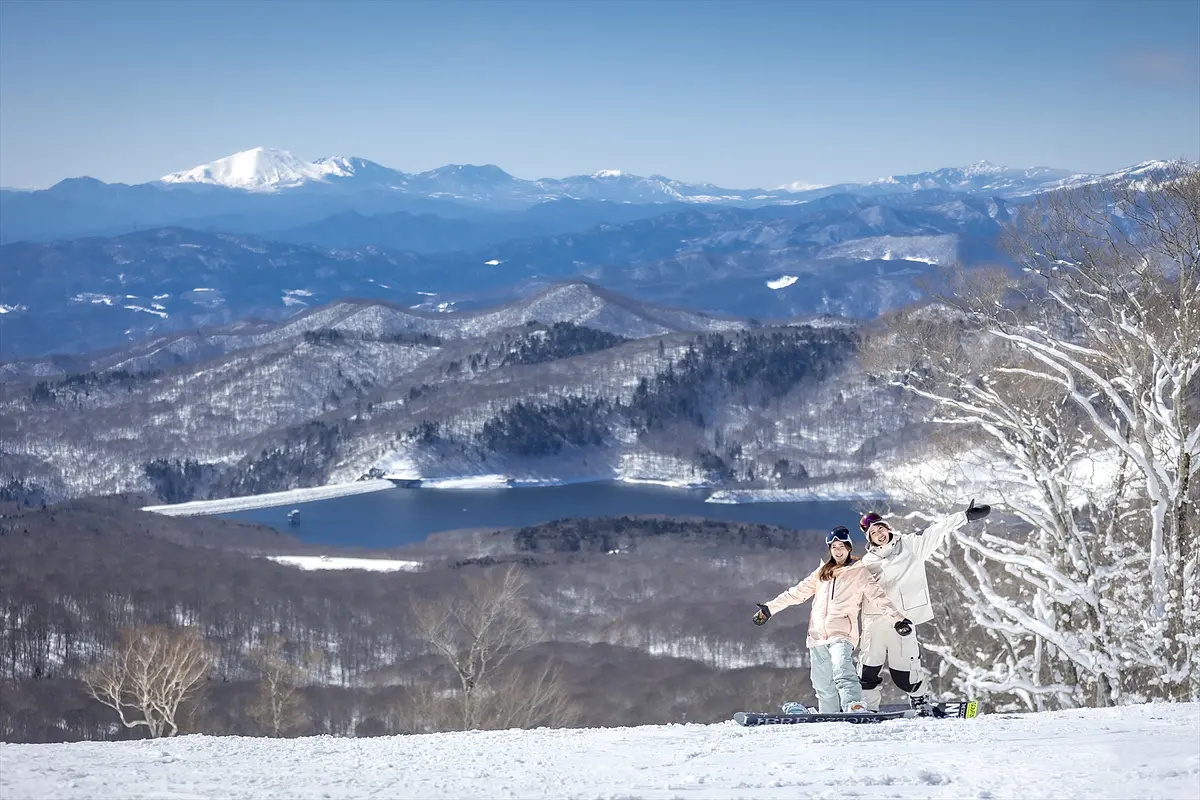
(492, 481)
(334, 562)
(839, 493)
(1148, 751)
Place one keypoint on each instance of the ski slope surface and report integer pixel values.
(1150, 751)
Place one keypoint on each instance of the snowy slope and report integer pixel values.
(1148, 751)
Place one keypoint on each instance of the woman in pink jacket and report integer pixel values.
(837, 588)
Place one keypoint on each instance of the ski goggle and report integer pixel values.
(839, 534)
(868, 520)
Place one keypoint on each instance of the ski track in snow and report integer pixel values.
(1150, 751)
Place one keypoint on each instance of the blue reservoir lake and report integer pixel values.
(400, 516)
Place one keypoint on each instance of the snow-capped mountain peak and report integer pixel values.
(1136, 172)
(607, 173)
(984, 168)
(800, 186)
(484, 171)
(261, 169)
(344, 164)
(982, 176)
(1140, 169)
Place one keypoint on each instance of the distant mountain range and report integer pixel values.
(263, 190)
(264, 235)
(840, 254)
(270, 170)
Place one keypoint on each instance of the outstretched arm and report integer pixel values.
(797, 594)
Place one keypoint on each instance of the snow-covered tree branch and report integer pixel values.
(1078, 380)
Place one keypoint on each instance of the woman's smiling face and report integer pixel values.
(839, 551)
(879, 533)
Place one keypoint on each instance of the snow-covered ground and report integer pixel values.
(334, 562)
(270, 500)
(467, 482)
(1148, 751)
(499, 481)
(634, 468)
(827, 492)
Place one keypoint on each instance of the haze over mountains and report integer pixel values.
(264, 189)
(262, 234)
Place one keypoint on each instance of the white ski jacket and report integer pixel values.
(900, 567)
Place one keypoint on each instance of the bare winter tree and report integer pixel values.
(149, 674)
(1081, 377)
(278, 707)
(528, 698)
(477, 630)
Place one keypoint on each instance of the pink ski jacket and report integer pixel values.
(836, 603)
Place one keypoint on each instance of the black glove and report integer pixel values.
(904, 627)
(762, 615)
(975, 512)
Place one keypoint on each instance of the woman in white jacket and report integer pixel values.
(898, 561)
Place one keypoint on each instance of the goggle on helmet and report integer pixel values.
(839, 534)
(868, 520)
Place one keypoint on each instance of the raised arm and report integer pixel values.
(929, 540)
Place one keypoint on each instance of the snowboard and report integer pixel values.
(752, 719)
(961, 710)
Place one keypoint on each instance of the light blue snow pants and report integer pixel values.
(833, 676)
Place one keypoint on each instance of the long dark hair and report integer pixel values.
(826, 573)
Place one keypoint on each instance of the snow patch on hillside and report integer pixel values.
(145, 310)
(334, 562)
(467, 482)
(942, 249)
(830, 492)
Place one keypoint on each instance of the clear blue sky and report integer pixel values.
(740, 94)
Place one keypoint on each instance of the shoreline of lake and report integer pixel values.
(721, 496)
(195, 508)
(388, 519)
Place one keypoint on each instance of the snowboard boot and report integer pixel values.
(922, 705)
(858, 708)
(795, 708)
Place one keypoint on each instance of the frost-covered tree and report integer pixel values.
(1077, 379)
